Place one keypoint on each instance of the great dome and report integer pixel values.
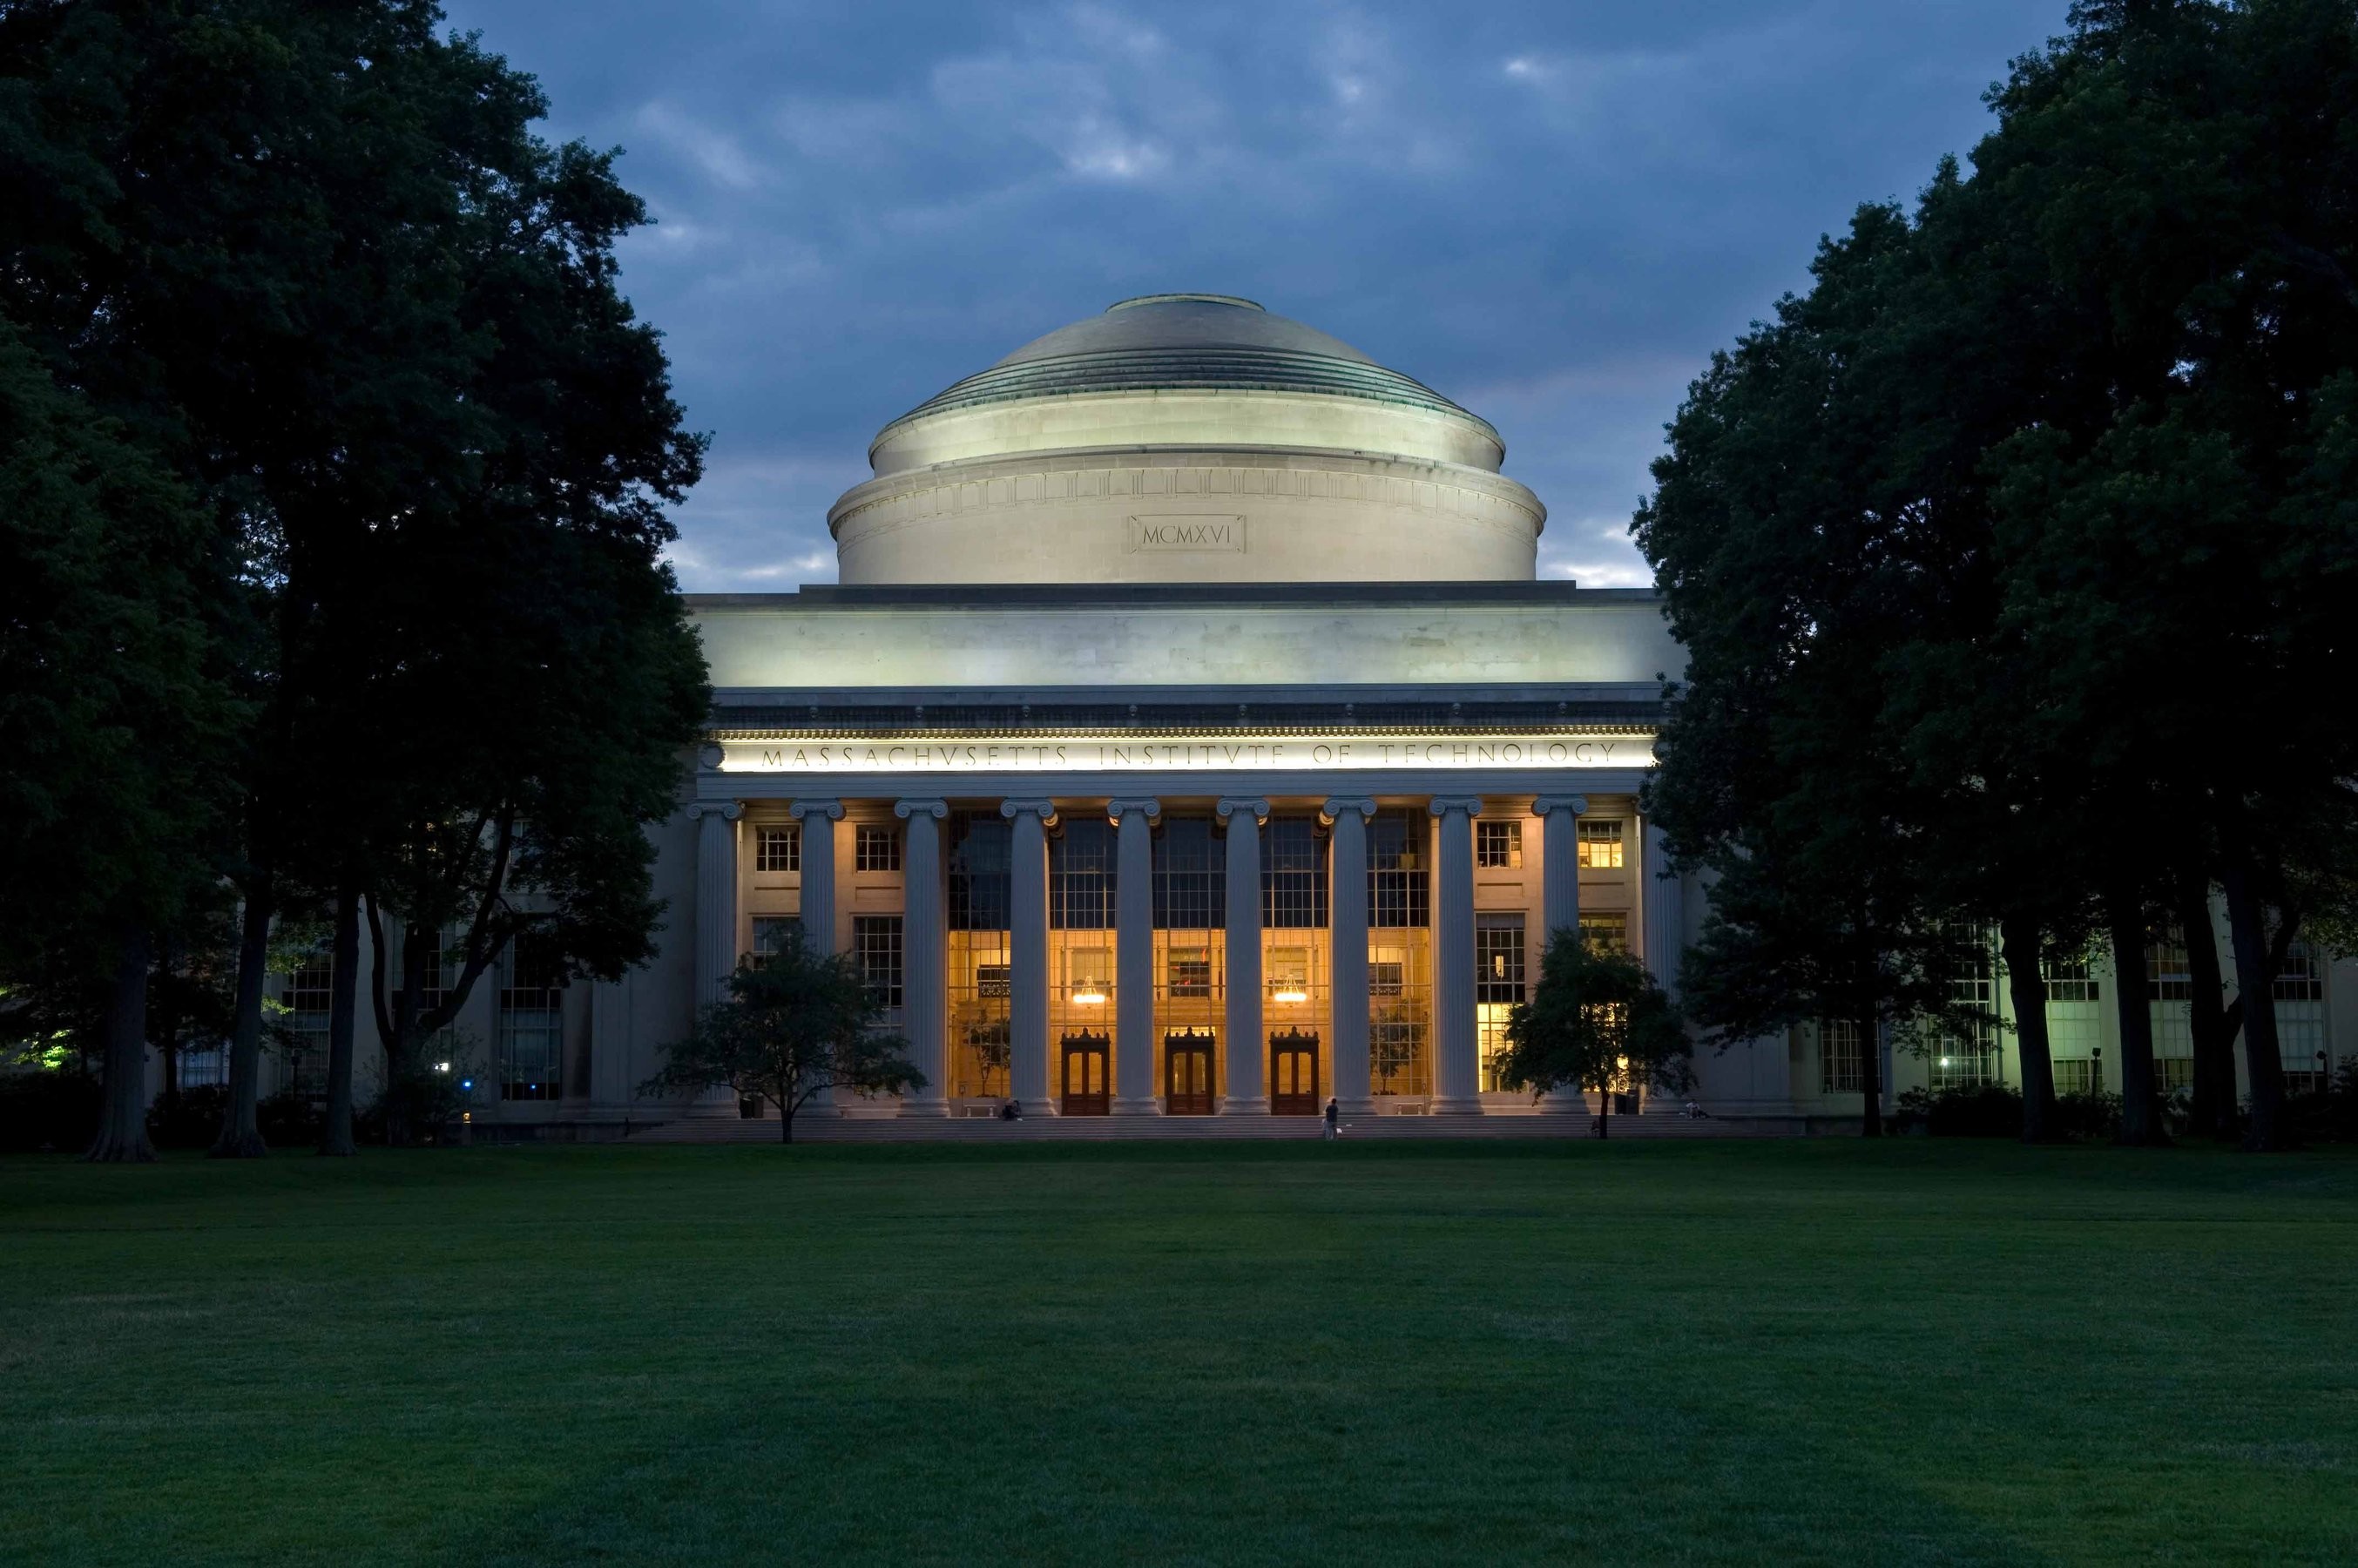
(1186, 438)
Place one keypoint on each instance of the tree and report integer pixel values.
(795, 1023)
(315, 259)
(113, 723)
(1597, 1021)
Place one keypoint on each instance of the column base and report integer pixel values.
(925, 1107)
(1440, 1107)
(1149, 1106)
(1244, 1105)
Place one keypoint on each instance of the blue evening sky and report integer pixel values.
(1550, 212)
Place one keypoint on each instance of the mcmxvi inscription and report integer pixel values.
(1187, 531)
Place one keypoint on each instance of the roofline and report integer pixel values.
(1136, 595)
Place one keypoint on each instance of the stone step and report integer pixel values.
(1215, 1129)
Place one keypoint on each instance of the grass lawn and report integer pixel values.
(1405, 1353)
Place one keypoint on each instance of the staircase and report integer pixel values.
(857, 1129)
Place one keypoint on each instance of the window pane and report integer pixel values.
(876, 939)
(875, 847)
(778, 848)
(1600, 844)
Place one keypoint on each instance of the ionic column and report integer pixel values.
(715, 897)
(1247, 1046)
(1661, 906)
(1133, 957)
(1027, 952)
(924, 955)
(819, 819)
(1559, 817)
(1456, 1074)
(1346, 905)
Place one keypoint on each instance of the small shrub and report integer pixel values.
(2095, 1116)
(288, 1119)
(431, 1101)
(188, 1120)
(1981, 1111)
(51, 1109)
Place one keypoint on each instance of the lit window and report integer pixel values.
(1399, 885)
(2168, 976)
(1190, 972)
(876, 940)
(1841, 1070)
(1600, 845)
(993, 980)
(1090, 971)
(1490, 1033)
(778, 848)
(1498, 958)
(1966, 1054)
(1289, 975)
(1499, 846)
(875, 847)
(1385, 977)
(1606, 930)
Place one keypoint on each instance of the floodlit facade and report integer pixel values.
(1189, 735)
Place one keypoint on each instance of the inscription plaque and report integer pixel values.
(1187, 531)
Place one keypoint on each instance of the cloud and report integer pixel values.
(1553, 213)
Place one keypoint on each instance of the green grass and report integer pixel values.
(1679, 1352)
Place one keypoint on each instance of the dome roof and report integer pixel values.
(1184, 342)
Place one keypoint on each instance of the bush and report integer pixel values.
(1983, 1110)
(432, 1101)
(2095, 1116)
(188, 1120)
(288, 1119)
(49, 1110)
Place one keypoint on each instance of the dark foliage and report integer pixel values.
(54, 1112)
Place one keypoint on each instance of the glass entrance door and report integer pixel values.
(1293, 1074)
(1188, 1073)
(1086, 1091)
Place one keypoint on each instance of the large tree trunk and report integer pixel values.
(343, 999)
(2256, 990)
(241, 1134)
(2018, 941)
(2125, 914)
(123, 1113)
(1870, 1077)
(2208, 1017)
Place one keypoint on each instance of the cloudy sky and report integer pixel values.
(1552, 212)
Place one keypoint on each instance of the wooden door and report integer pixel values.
(1293, 1074)
(1188, 1073)
(1088, 1091)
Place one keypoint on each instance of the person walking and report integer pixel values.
(1334, 1120)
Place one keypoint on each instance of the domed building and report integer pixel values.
(1187, 734)
(1187, 438)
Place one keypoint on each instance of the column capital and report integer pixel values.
(905, 809)
(1443, 805)
(1547, 805)
(1144, 805)
(727, 810)
(1230, 806)
(1365, 805)
(1045, 810)
(830, 809)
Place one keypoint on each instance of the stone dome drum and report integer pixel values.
(1186, 438)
